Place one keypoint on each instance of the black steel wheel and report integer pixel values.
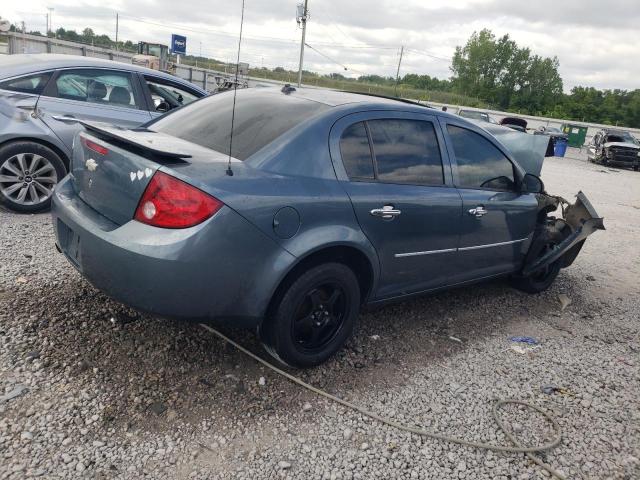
(313, 317)
(545, 239)
(319, 316)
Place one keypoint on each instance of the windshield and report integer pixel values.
(621, 137)
(259, 119)
(474, 115)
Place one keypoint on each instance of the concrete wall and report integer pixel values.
(535, 122)
(16, 42)
(24, 43)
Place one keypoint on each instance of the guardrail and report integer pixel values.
(534, 122)
(16, 42)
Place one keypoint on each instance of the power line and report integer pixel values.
(427, 54)
(209, 31)
(337, 27)
(326, 56)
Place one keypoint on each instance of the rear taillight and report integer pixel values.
(171, 203)
(93, 146)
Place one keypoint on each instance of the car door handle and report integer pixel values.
(386, 213)
(478, 212)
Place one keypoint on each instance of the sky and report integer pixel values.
(596, 42)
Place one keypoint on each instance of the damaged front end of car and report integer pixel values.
(579, 220)
(556, 241)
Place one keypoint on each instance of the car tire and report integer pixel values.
(313, 318)
(16, 160)
(545, 238)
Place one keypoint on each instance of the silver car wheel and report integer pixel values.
(27, 179)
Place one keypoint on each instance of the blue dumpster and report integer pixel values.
(560, 148)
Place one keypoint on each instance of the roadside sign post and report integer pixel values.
(178, 46)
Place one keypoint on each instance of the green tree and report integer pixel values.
(498, 71)
(88, 35)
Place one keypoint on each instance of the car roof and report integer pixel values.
(614, 131)
(334, 98)
(25, 63)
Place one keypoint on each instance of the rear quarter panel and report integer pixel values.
(18, 121)
(295, 171)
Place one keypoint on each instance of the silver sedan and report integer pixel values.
(40, 97)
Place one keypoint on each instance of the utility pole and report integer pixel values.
(398, 71)
(24, 40)
(302, 19)
(50, 19)
(48, 29)
(117, 25)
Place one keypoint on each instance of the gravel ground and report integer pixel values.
(108, 393)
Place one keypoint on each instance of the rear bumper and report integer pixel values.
(224, 269)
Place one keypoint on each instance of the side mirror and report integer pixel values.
(532, 184)
(161, 105)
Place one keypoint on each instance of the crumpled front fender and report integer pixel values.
(582, 220)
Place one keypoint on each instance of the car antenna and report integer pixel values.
(235, 89)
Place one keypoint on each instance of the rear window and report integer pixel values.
(259, 119)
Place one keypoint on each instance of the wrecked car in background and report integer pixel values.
(320, 203)
(41, 93)
(554, 132)
(615, 147)
(515, 123)
(476, 115)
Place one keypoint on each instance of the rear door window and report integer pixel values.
(105, 87)
(406, 151)
(28, 84)
(356, 152)
(481, 165)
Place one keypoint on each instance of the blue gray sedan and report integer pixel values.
(40, 93)
(314, 204)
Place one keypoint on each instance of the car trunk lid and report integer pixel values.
(113, 166)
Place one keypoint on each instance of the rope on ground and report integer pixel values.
(517, 448)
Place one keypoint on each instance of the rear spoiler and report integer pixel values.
(150, 142)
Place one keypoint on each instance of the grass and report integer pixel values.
(404, 91)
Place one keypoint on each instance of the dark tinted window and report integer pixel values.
(260, 118)
(28, 84)
(355, 152)
(624, 137)
(480, 163)
(406, 151)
